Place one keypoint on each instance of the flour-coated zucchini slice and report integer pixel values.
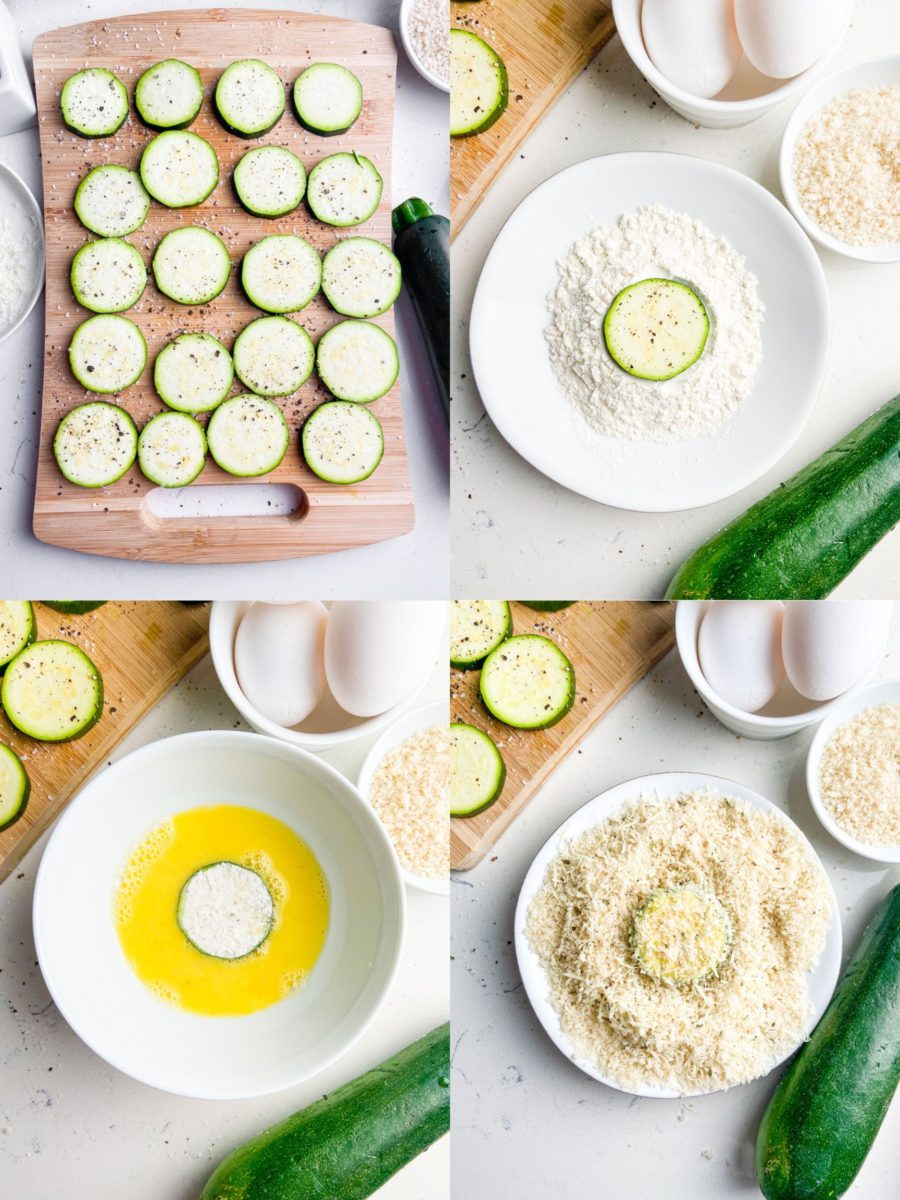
(169, 95)
(52, 692)
(357, 361)
(477, 771)
(111, 201)
(656, 328)
(108, 275)
(15, 787)
(249, 98)
(248, 435)
(107, 353)
(344, 189)
(95, 444)
(17, 629)
(179, 168)
(527, 682)
(479, 87)
(193, 373)
(94, 103)
(172, 449)
(273, 356)
(270, 181)
(327, 98)
(191, 265)
(360, 277)
(225, 910)
(342, 442)
(476, 628)
(282, 273)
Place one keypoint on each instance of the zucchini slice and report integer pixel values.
(360, 277)
(249, 98)
(344, 189)
(76, 608)
(477, 771)
(225, 910)
(107, 353)
(270, 181)
(357, 361)
(527, 682)
(656, 328)
(93, 103)
(108, 276)
(282, 273)
(15, 787)
(327, 98)
(193, 373)
(248, 435)
(476, 628)
(169, 95)
(172, 449)
(111, 201)
(680, 936)
(273, 356)
(95, 444)
(191, 265)
(52, 692)
(179, 168)
(342, 442)
(17, 629)
(479, 87)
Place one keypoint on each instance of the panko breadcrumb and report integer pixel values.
(410, 792)
(859, 775)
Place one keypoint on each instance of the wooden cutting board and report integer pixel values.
(117, 520)
(141, 648)
(611, 645)
(544, 44)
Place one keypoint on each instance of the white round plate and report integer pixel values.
(512, 364)
(821, 981)
(20, 211)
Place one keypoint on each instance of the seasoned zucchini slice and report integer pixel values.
(169, 95)
(342, 442)
(270, 181)
(94, 103)
(360, 277)
(17, 629)
(108, 276)
(477, 771)
(193, 373)
(273, 356)
(479, 87)
(680, 936)
(95, 444)
(172, 449)
(179, 168)
(225, 910)
(191, 265)
(15, 787)
(344, 189)
(52, 692)
(328, 98)
(527, 682)
(107, 353)
(282, 273)
(357, 361)
(249, 98)
(656, 328)
(248, 435)
(476, 628)
(111, 201)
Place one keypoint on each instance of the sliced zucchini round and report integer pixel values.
(74, 608)
(94, 103)
(52, 692)
(273, 356)
(550, 606)
(270, 181)
(169, 95)
(479, 87)
(680, 936)
(282, 273)
(656, 328)
(344, 189)
(327, 98)
(172, 449)
(248, 435)
(193, 373)
(225, 910)
(179, 168)
(357, 361)
(476, 628)
(191, 265)
(249, 98)
(527, 682)
(107, 353)
(17, 629)
(360, 277)
(108, 276)
(342, 442)
(15, 787)
(477, 771)
(95, 444)
(111, 201)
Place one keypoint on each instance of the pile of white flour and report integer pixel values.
(654, 242)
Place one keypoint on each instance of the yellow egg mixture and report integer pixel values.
(146, 904)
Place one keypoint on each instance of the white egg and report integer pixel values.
(828, 645)
(694, 43)
(378, 651)
(739, 648)
(784, 37)
(279, 659)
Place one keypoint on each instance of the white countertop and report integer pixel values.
(70, 1124)
(414, 566)
(525, 1120)
(517, 532)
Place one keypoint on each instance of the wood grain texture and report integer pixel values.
(544, 44)
(116, 521)
(142, 649)
(611, 645)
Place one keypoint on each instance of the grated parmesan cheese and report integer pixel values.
(429, 31)
(410, 792)
(859, 775)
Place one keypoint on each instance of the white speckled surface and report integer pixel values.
(526, 1122)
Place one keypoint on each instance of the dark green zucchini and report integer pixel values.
(548, 605)
(76, 607)
(422, 244)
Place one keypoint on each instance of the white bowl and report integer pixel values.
(865, 74)
(409, 47)
(885, 691)
(787, 713)
(764, 94)
(395, 734)
(217, 1058)
(820, 981)
(19, 207)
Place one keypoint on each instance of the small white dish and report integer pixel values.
(406, 7)
(217, 1058)
(885, 691)
(395, 734)
(821, 980)
(872, 73)
(21, 212)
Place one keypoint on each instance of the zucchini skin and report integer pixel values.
(801, 540)
(346, 1145)
(423, 249)
(830, 1102)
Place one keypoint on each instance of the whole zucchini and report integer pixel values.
(831, 1100)
(422, 244)
(348, 1144)
(802, 539)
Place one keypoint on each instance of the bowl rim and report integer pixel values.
(34, 209)
(403, 22)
